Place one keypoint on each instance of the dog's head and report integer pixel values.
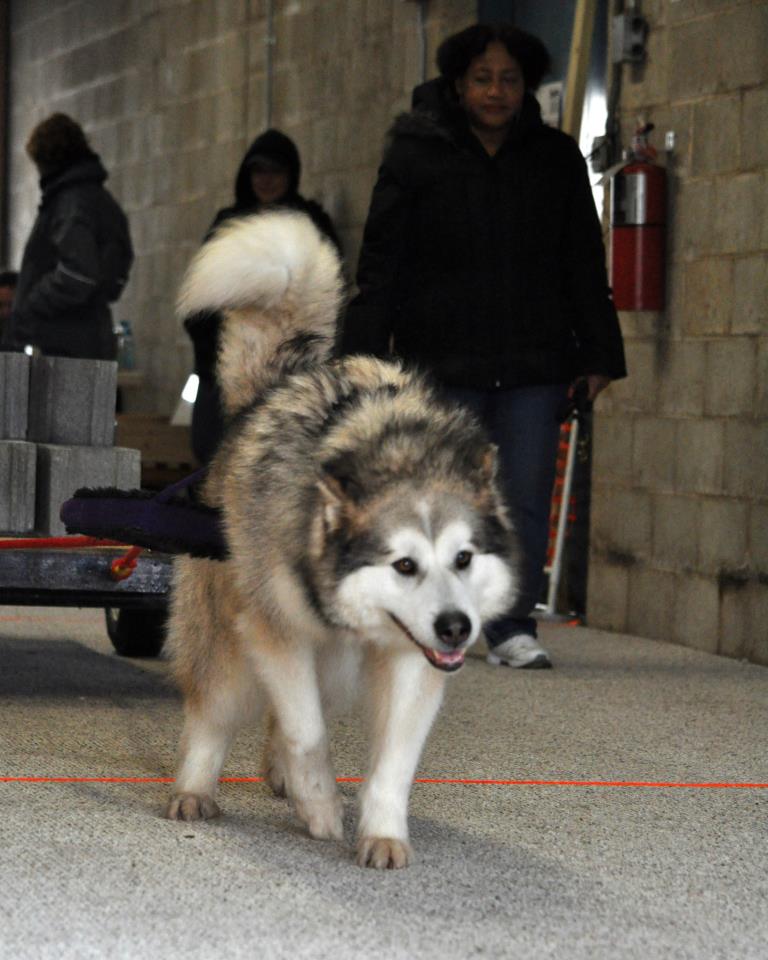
(419, 562)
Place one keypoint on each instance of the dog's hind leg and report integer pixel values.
(404, 694)
(287, 670)
(211, 721)
(220, 689)
(274, 758)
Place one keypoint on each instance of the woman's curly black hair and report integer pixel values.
(456, 52)
(57, 142)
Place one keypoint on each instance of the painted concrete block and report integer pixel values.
(731, 377)
(17, 486)
(716, 126)
(14, 395)
(677, 531)
(693, 619)
(750, 290)
(653, 453)
(700, 458)
(745, 454)
(72, 401)
(738, 229)
(63, 469)
(706, 314)
(621, 525)
(608, 595)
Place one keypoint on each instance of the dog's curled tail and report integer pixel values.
(275, 278)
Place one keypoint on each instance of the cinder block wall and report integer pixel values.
(171, 92)
(680, 499)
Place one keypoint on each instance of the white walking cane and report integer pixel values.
(549, 608)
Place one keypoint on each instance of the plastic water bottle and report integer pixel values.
(126, 354)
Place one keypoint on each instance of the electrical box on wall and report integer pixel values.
(629, 35)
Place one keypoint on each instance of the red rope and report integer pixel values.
(123, 567)
(38, 543)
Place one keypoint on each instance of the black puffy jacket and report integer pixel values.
(489, 271)
(203, 328)
(75, 263)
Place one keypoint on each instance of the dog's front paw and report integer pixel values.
(191, 806)
(383, 853)
(322, 820)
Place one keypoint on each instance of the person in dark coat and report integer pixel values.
(483, 262)
(78, 256)
(9, 280)
(268, 176)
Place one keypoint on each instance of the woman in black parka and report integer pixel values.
(268, 176)
(483, 262)
(78, 255)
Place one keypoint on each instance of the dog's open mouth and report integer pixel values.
(443, 661)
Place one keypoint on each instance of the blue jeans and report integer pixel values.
(524, 423)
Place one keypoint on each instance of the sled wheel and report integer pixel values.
(136, 633)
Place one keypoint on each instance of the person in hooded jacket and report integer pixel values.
(268, 176)
(483, 263)
(78, 256)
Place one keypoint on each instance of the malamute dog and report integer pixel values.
(367, 543)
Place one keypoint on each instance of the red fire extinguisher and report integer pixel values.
(638, 226)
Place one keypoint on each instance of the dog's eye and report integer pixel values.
(405, 566)
(463, 559)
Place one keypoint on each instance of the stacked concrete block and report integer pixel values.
(63, 469)
(18, 461)
(17, 457)
(57, 425)
(72, 401)
(72, 420)
(14, 395)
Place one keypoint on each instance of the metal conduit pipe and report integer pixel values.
(269, 47)
(422, 28)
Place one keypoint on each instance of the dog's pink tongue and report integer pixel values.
(453, 659)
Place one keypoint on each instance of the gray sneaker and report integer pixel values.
(521, 651)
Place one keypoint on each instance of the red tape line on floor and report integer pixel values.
(659, 784)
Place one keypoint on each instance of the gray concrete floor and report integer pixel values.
(89, 869)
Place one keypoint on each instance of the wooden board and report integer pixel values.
(166, 450)
(578, 65)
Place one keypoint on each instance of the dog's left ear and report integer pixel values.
(483, 467)
(489, 496)
(489, 462)
(331, 502)
(339, 493)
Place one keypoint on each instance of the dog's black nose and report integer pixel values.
(453, 628)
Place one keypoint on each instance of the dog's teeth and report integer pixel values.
(446, 659)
